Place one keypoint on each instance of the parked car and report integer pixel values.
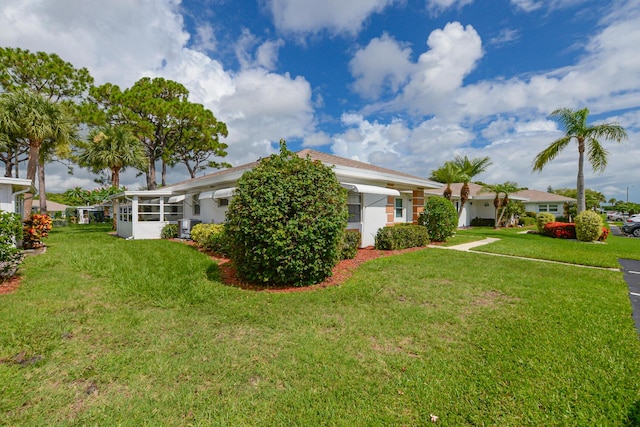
(633, 218)
(631, 228)
(617, 216)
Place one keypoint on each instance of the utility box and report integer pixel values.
(185, 226)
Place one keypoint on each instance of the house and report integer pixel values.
(54, 209)
(480, 203)
(11, 193)
(377, 197)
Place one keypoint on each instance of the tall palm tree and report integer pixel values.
(37, 121)
(114, 148)
(468, 168)
(575, 124)
(446, 174)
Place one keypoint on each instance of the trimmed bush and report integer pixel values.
(211, 237)
(286, 220)
(410, 236)
(440, 218)
(588, 226)
(527, 221)
(350, 243)
(542, 219)
(605, 234)
(483, 222)
(169, 231)
(10, 255)
(560, 230)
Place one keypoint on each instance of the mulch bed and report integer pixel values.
(341, 272)
(10, 285)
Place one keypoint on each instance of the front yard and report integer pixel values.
(106, 331)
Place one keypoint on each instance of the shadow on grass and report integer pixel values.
(633, 418)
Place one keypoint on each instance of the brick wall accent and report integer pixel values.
(418, 204)
(391, 201)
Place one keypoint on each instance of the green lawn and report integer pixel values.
(105, 331)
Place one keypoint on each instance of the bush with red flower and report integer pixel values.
(35, 229)
(567, 230)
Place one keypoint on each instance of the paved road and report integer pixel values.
(631, 270)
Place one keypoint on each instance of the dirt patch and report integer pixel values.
(10, 285)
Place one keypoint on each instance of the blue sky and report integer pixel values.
(399, 83)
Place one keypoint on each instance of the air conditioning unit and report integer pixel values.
(186, 224)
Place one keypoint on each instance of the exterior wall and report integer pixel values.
(374, 217)
(7, 201)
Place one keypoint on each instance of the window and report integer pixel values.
(124, 212)
(399, 209)
(354, 205)
(149, 209)
(548, 208)
(223, 202)
(172, 212)
(195, 204)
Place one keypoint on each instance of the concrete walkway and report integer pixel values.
(468, 246)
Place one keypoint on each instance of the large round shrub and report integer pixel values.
(440, 217)
(588, 226)
(286, 220)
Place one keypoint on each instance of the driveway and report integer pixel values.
(631, 270)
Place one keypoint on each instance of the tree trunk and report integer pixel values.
(41, 188)
(115, 177)
(580, 180)
(447, 192)
(163, 178)
(32, 166)
(151, 175)
(464, 196)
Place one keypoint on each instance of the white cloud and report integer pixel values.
(383, 63)
(533, 5)
(441, 5)
(335, 16)
(121, 40)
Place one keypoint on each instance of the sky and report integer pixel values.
(403, 84)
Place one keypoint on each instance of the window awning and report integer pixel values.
(176, 199)
(225, 193)
(370, 189)
(206, 195)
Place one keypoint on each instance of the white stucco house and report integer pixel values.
(377, 197)
(11, 193)
(480, 203)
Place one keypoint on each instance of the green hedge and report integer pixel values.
(527, 221)
(542, 219)
(588, 226)
(350, 244)
(286, 221)
(169, 231)
(410, 236)
(211, 237)
(483, 222)
(440, 218)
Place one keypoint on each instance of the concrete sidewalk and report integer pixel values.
(468, 246)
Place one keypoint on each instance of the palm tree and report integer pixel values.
(114, 148)
(501, 204)
(446, 174)
(467, 170)
(575, 123)
(37, 121)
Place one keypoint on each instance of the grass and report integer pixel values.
(513, 242)
(112, 332)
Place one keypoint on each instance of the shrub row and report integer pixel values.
(568, 230)
(483, 222)
(527, 221)
(211, 237)
(410, 236)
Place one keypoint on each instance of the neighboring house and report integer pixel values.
(377, 197)
(480, 203)
(54, 209)
(11, 193)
